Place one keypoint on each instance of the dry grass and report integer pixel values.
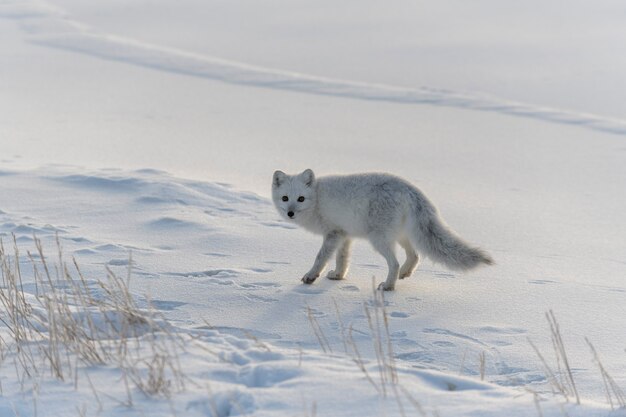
(614, 394)
(562, 379)
(317, 330)
(71, 322)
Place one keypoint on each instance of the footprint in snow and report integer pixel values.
(225, 403)
(225, 273)
(119, 262)
(77, 239)
(166, 305)
(263, 299)
(260, 270)
(315, 312)
(174, 223)
(308, 289)
(398, 334)
(541, 281)
(265, 375)
(243, 333)
(444, 343)
(399, 314)
(277, 263)
(420, 356)
(497, 336)
(260, 285)
(502, 330)
(217, 254)
(450, 333)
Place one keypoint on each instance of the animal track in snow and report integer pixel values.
(502, 330)
(207, 273)
(175, 223)
(308, 289)
(243, 333)
(261, 298)
(217, 254)
(450, 333)
(267, 375)
(315, 312)
(260, 285)
(166, 305)
(444, 343)
(542, 281)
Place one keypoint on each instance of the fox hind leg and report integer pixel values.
(386, 247)
(412, 259)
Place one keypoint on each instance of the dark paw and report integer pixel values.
(307, 279)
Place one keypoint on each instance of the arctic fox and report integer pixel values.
(380, 207)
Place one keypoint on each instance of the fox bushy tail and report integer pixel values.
(434, 239)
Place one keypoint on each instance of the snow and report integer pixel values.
(145, 136)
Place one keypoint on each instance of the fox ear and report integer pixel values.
(308, 177)
(279, 178)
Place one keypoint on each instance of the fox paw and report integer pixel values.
(335, 276)
(405, 274)
(384, 287)
(309, 279)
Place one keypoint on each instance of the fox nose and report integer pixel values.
(290, 214)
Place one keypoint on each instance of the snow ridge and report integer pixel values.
(49, 26)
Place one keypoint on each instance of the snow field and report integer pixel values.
(231, 340)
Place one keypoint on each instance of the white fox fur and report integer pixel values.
(380, 207)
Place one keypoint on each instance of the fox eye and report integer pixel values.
(300, 199)
(285, 198)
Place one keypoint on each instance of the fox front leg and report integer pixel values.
(342, 261)
(329, 246)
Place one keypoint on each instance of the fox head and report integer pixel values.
(294, 195)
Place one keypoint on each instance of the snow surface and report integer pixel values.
(135, 127)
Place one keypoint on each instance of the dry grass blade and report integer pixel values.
(358, 359)
(559, 348)
(561, 380)
(416, 404)
(317, 330)
(481, 365)
(550, 375)
(615, 396)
